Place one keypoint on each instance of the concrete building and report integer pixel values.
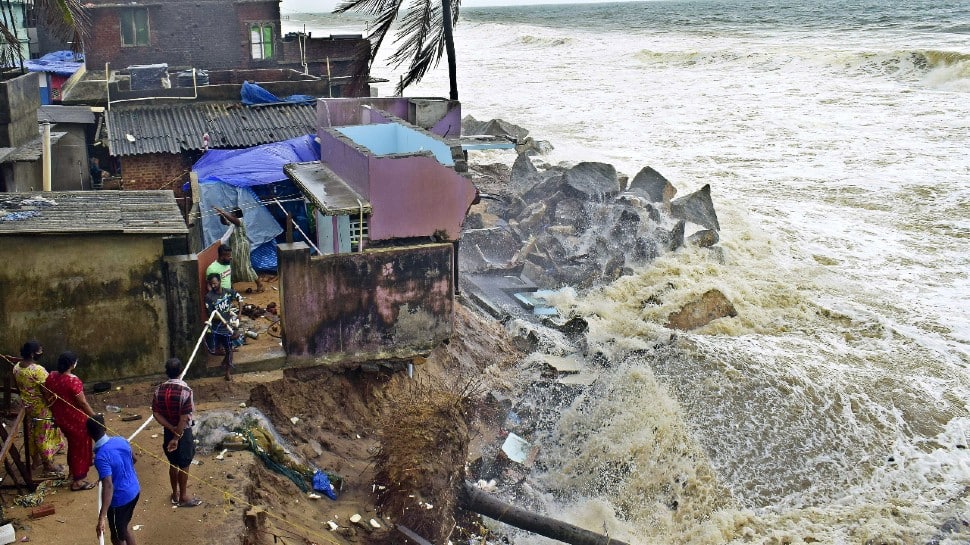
(86, 271)
(390, 198)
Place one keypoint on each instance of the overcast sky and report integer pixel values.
(322, 6)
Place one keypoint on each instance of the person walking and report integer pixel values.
(120, 489)
(172, 407)
(30, 377)
(71, 411)
(219, 298)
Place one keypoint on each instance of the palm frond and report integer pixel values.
(421, 38)
(422, 43)
(66, 19)
(386, 12)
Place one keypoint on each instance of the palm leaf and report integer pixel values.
(421, 37)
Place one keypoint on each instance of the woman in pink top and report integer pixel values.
(71, 412)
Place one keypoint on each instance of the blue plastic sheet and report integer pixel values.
(244, 178)
(63, 63)
(257, 165)
(252, 94)
(321, 483)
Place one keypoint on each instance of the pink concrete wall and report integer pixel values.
(341, 112)
(416, 196)
(346, 160)
(380, 304)
(450, 125)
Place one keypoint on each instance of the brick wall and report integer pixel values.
(206, 34)
(155, 171)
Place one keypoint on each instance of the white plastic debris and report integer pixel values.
(333, 525)
(222, 455)
(294, 419)
(355, 518)
(313, 496)
(137, 527)
(487, 486)
(242, 405)
(374, 523)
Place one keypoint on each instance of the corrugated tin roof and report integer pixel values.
(174, 128)
(53, 212)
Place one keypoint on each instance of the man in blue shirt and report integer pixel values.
(115, 463)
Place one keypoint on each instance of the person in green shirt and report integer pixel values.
(222, 266)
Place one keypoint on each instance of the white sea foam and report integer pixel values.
(834, 407)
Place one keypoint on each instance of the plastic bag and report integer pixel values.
(321, 483)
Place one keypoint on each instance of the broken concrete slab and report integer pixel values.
(519, 450)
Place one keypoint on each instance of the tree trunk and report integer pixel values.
(484, 504)
(450, 49)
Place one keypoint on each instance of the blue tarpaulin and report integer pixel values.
(63, 63)
(252, 94)
(231, 178)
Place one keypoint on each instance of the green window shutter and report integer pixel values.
(141, 27)
(127, 28)
(268, 41)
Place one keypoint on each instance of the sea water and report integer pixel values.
(835, 136)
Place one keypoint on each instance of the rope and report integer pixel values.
(224, 493)
(305, 237)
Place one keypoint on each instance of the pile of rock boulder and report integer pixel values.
(581, 225)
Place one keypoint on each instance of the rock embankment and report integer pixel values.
(581, 225)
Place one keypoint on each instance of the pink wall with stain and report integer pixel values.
(380, 304)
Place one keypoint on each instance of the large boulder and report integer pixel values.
(571, 212)
(696, 208)
(551, 182)
(704, 238)
(711, 306)
(494, 127)
(651, 184)
(524, 174)
(484, 248)
(592, 181)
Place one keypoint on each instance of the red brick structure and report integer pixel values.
(209, 35)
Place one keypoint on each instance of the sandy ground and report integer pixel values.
(337, 428)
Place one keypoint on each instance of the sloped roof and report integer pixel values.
(58, 212)
(174, 128)
(66, 114)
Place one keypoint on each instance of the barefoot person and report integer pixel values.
(120, 490)
(71, 411)
(172, 406)
(30, 377)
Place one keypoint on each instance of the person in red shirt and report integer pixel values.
(172, 407)
(71, 411)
